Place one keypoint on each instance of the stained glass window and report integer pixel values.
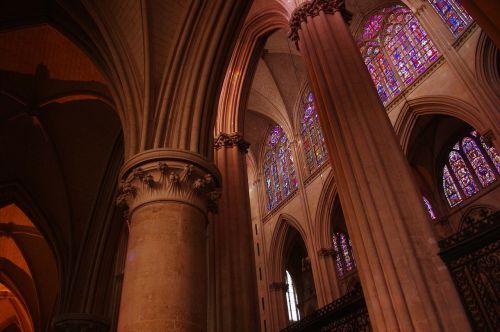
(483, 161)
(291, 299)
(463, 174)
(478, 162)
(279, 169)
(452, 12)
(395, 49)
(312, 136)
(492, 153)
(344, 258)
(450, 189)
(429, 208)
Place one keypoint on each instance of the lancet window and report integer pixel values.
(279, 168)
(395, 49)
(291, 299)
(312, 136)
(344, 257)
(472, 164)
(453, 14)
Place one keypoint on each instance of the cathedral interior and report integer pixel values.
(249, 165)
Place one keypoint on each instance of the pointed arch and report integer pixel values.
(435, 105)
(326, 205)
(284, 226)
(239, 74)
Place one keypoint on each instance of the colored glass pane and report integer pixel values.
(428, 206)
(492, 153)
(464, 177)
(450, 189)
(344, 258)
(409, 48)
(395, 49)
(279, 169)
(478, 162)
(312, 136)
(452, 12)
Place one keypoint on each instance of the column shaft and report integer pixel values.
(236, 298)
(405, 284)
(167, 193)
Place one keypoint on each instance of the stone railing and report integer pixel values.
(347, 313)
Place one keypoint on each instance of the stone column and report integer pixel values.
(168, 194)
(236, 301)
(487, 14)
(406, 285)
(278, 304)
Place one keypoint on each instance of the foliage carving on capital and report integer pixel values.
(230, 140)
(312, 9)
(168, 182)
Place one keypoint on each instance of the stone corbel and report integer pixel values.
(231, 140)
(278, 286)
(325, 252)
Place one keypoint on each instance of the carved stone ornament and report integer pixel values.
(169, 175)
(79, 323)
(230, 140)
(313, 8)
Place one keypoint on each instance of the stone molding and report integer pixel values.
(77, 322)
(231, 140)
(169, 175)
(312, 9)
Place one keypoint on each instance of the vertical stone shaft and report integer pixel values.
(167, 193)
(487, 15)
(406, 286)
(236, 302)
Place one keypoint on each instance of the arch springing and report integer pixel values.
(453, 14)
(312, 136)
(279, 168)
(395, 49)
(471, 160)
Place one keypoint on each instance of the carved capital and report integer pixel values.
(231, 140)
(313, 8)
(79, 322)
(169, 175)
(278, 286)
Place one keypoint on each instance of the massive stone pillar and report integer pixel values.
(406, 285)
(236, 301)
(168, 194)
(487, 14)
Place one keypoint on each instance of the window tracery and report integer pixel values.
(279, 169)
(470, 161)
(344, 257)
(453, 14)
(312, 135)
(395, 49)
